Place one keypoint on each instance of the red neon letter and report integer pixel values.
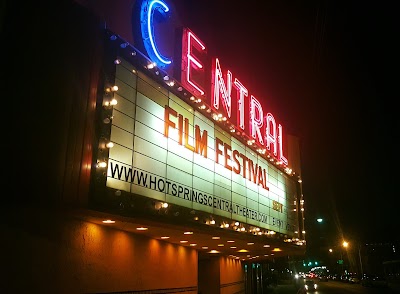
(191, 65)
(220, 90)
(281, 157)
(256, 119)
(270, 133)
(242, 92)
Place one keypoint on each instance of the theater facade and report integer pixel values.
(175, 177)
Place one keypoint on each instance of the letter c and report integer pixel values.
(147, 28)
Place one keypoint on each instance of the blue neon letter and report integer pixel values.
(146, 22)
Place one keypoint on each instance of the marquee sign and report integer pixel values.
(168, 150)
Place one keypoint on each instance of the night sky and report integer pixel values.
(328, 71)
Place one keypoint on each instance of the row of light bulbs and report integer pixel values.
(237, 226)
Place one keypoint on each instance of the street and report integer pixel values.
(332, 287)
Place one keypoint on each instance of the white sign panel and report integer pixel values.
(168, 151)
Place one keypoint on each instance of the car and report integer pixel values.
(310, 285)
(354, 280)
(373, 281)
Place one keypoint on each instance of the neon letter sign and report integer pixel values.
(191, 64)
(256, 119)
(242, 92)
(147, 27)
(270, 133)
(219, 89)
(263, 129)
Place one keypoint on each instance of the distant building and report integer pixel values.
(375, 255)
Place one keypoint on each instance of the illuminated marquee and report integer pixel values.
(168, 151)
(261, 126)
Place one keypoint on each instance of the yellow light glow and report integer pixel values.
(102, 164)
(151, 65)
(108, 221)
(142, 229)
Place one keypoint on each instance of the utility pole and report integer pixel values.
(361, 265)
